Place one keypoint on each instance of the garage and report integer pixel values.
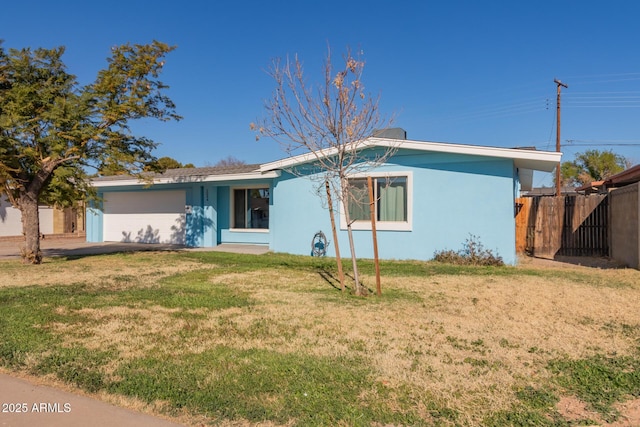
(145, 217)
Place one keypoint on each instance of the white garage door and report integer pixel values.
(145, 217)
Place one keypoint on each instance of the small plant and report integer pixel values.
(473, 252)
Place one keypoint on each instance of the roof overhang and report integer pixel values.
(251, 176)
(628, 176)
(545, 161)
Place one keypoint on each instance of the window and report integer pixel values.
(251, 208)
(392, 202)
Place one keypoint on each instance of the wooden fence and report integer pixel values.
(570, 225)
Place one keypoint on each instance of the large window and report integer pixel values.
(392, 202)
(251, 208)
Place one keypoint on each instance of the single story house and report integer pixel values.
(429, 197)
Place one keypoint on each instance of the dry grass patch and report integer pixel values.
(453, 347)
(495, 332)
(131, 332)
(116, 270)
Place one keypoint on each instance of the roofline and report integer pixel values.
(193, 178)
(523, 158)
(591, 186)
(625, 175)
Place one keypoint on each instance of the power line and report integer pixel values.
(605, 78)
(601, 143)
(501, 110)
(605, 140)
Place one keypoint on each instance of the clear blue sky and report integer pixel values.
(470, 72)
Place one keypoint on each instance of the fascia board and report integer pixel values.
(528, 159)
(189, 179)
(297, 160)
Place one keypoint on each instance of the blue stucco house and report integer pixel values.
(429, 197)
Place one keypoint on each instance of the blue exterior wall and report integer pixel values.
(207, 225)
(453, 196)
(94, 221)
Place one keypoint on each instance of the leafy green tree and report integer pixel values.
(592, 165)
(52, 129)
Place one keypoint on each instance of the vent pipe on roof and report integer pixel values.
(391, 133)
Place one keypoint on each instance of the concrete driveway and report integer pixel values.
(79, 247)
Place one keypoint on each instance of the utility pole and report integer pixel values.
(558, 183)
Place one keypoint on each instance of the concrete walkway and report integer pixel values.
(24, 403)
(79, 247)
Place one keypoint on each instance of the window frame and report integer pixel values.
(383, 225)
(232, 206)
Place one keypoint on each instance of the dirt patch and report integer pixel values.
(630, 414)
(573, 409)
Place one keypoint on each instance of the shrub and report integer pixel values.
(472, 253)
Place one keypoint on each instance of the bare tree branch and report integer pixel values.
(332, 121)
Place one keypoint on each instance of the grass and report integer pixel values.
(227, 339)
(599, 381)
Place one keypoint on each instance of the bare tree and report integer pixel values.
(332, 121)
(229, 161)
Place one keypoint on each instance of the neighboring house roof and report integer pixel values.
(626, 177)
(592, 187)
(629, 176)
(205, 174)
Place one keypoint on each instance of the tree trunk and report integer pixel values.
(28, 205)
(335, 235)
(31, 229)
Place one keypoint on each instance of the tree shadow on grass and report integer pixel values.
(334, 282)
(328, 277)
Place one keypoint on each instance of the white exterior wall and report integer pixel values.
(11, 219)
(46, 220)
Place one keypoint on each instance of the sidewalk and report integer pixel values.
(24, 403)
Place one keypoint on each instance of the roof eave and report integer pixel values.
(545, 161)
(628, 176)
(251, 176)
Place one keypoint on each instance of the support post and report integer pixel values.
(558, 180)
(372, 210)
